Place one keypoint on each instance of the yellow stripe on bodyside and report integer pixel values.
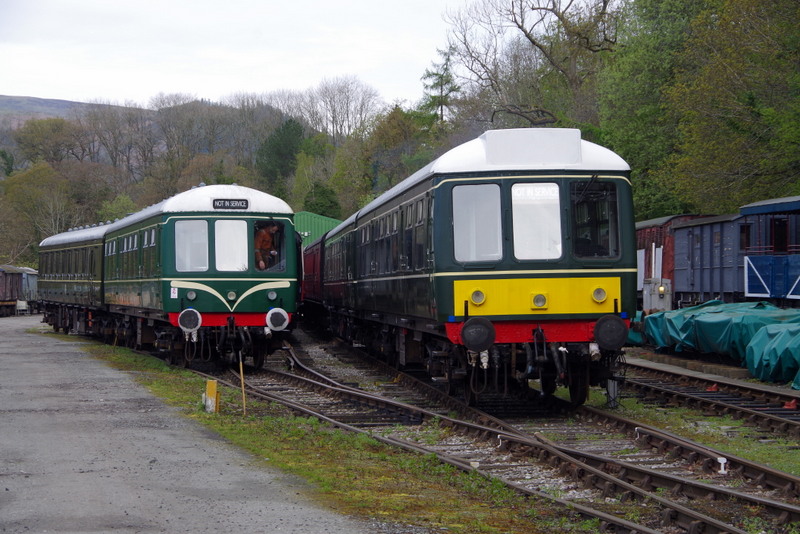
(515, 296)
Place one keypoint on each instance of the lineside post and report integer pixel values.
(211, 397)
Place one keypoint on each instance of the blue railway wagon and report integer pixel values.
(30, 285)
(709, 259)
(772, 262)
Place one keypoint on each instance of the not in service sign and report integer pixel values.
(230, 204)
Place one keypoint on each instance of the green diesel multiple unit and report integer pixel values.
(509, 258)
(180, 275)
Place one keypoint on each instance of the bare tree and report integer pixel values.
(144, 141)
(86, 143)
(255, 118)
(176, 120)
(514, 47)
(344, 106)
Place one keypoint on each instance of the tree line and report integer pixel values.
(701, 97)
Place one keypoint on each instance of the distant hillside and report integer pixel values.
(15, 110)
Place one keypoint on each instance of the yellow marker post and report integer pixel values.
(241, 376)
(211, 397)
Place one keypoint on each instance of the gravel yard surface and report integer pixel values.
(83, 448)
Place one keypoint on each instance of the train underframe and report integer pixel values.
(225, 344)
(500, 368)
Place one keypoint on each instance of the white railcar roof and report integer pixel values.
(520, 149)
(529, 149)
(197, 199)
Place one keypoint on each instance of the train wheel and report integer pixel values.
(258, 359)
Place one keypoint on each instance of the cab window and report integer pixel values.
(477, 228)
(269, 243)
(230, 245)
(595, 219)
(191, 246)
(535, 209)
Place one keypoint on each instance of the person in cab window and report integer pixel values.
(265, 244)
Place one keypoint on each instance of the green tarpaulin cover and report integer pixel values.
(773, 354)
(730, 329)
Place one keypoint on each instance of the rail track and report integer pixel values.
(675, 479)
(767, 408)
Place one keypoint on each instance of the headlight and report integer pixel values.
(231, 295)
(539, 300)
(191, 294)
(272, 295)
(599, 295)
(478, 297)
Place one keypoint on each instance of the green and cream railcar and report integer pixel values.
(181, 275)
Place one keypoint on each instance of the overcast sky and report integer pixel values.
(131, 50)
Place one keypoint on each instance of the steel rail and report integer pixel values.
(708, 457)
(619, 525)
(765, 421)
(609, 484)
(648, 478)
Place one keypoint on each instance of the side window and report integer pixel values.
(269, 244)
(191, 246)
(744, 237)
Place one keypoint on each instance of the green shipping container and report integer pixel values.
(311, 226)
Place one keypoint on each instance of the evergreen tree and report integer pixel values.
(322, 200)
(440, 86)
(737, 102)
(276, 158)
